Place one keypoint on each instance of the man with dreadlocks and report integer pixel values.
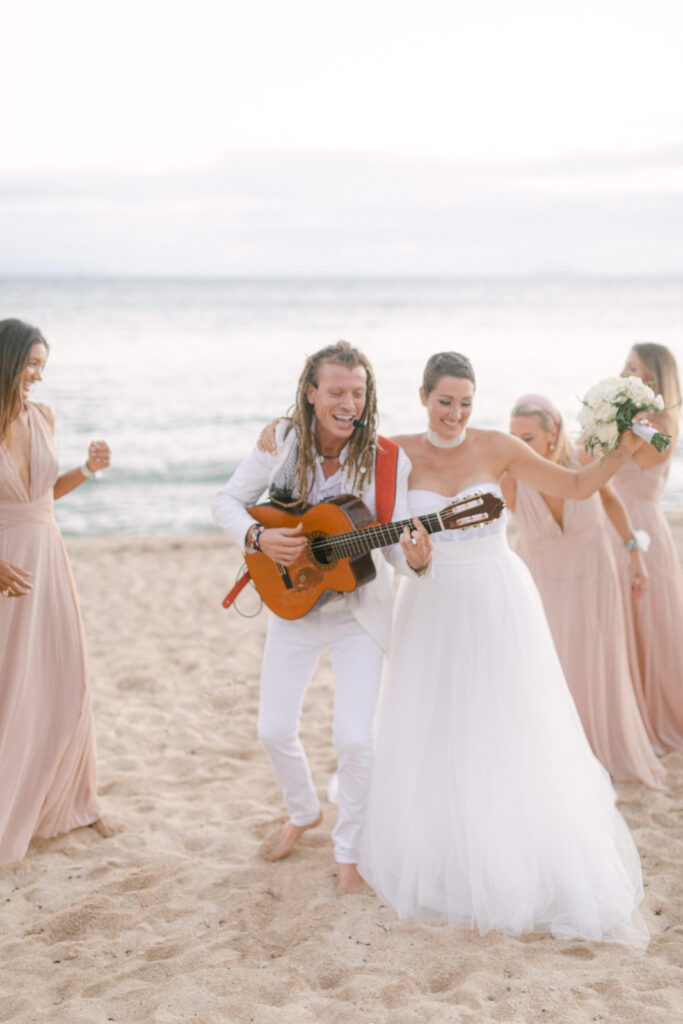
(327, 448)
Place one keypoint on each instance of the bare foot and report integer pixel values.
(281, 843)
(103, 827)
(350, 882)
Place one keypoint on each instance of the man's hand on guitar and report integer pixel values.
(416, 545)
(283, 544)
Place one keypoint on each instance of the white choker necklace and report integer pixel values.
(443, 442)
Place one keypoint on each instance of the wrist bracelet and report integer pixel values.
(86, 470)
(253, 536)
(639, 540)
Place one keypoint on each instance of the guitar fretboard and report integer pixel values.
(357, 542)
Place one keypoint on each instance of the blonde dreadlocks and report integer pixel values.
(361, 452)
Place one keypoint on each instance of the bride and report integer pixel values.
(487, 807)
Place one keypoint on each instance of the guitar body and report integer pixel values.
(291, 591)
(340, 535)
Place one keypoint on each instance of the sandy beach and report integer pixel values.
(176, 918)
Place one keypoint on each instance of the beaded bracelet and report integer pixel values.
(253, 536)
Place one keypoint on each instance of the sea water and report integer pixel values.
(179, 376)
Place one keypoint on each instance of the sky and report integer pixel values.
(220, 138)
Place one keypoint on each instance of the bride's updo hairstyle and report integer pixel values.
(549, 417)
(446, 364)
(662, 377)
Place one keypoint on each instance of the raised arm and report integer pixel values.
(99, 457)
(524, 464)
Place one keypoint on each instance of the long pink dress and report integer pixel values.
(574, 569)
(656, 624)
(47, 746)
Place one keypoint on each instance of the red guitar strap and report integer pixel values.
(386, 466)
(237, 589)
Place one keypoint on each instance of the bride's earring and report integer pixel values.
(552, 446)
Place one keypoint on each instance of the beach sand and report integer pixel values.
(176, 918)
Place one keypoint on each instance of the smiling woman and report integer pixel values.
(47, 746)
(487, 808)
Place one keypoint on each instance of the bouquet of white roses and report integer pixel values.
(609, 408)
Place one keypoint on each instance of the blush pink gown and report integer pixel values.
(656, 623)
(47, 746)
(574, 569)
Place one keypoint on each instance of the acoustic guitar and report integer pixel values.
(340, 534)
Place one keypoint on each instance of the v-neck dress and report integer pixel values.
(47, 746)
(574, 568)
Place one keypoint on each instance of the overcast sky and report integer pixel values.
(360, 138)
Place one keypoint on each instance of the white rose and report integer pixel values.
(658, 403)
(639, 392)
(604, 412)
(592, 396)
(607, 434)
(612, 390)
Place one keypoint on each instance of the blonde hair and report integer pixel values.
(361, 452)
(662, 376)
(564, 448)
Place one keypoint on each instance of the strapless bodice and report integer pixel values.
(422, 501)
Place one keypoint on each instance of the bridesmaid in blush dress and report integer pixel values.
(47, 745)
(656, 622)
(569, 553)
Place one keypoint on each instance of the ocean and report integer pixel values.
(179, 375)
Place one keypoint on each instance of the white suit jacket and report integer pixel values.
(370, 604)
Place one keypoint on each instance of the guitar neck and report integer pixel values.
(358, 542)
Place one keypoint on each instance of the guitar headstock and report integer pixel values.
(472, 510)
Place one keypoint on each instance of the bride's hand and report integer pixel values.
(14, 582)
(416, 545)
(266, 439)
(630, 442)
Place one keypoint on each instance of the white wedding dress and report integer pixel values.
(487, 808)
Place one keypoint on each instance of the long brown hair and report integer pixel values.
(662, 376)
(16, 341)
(361, 453)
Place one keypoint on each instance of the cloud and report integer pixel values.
(325, 212)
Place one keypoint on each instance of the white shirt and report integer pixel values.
(371, 604)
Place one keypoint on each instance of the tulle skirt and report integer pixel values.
(487, 808)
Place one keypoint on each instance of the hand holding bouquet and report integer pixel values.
(609, 409)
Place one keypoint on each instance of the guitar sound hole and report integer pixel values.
(322, 553)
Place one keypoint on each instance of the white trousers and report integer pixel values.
(292, 651)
